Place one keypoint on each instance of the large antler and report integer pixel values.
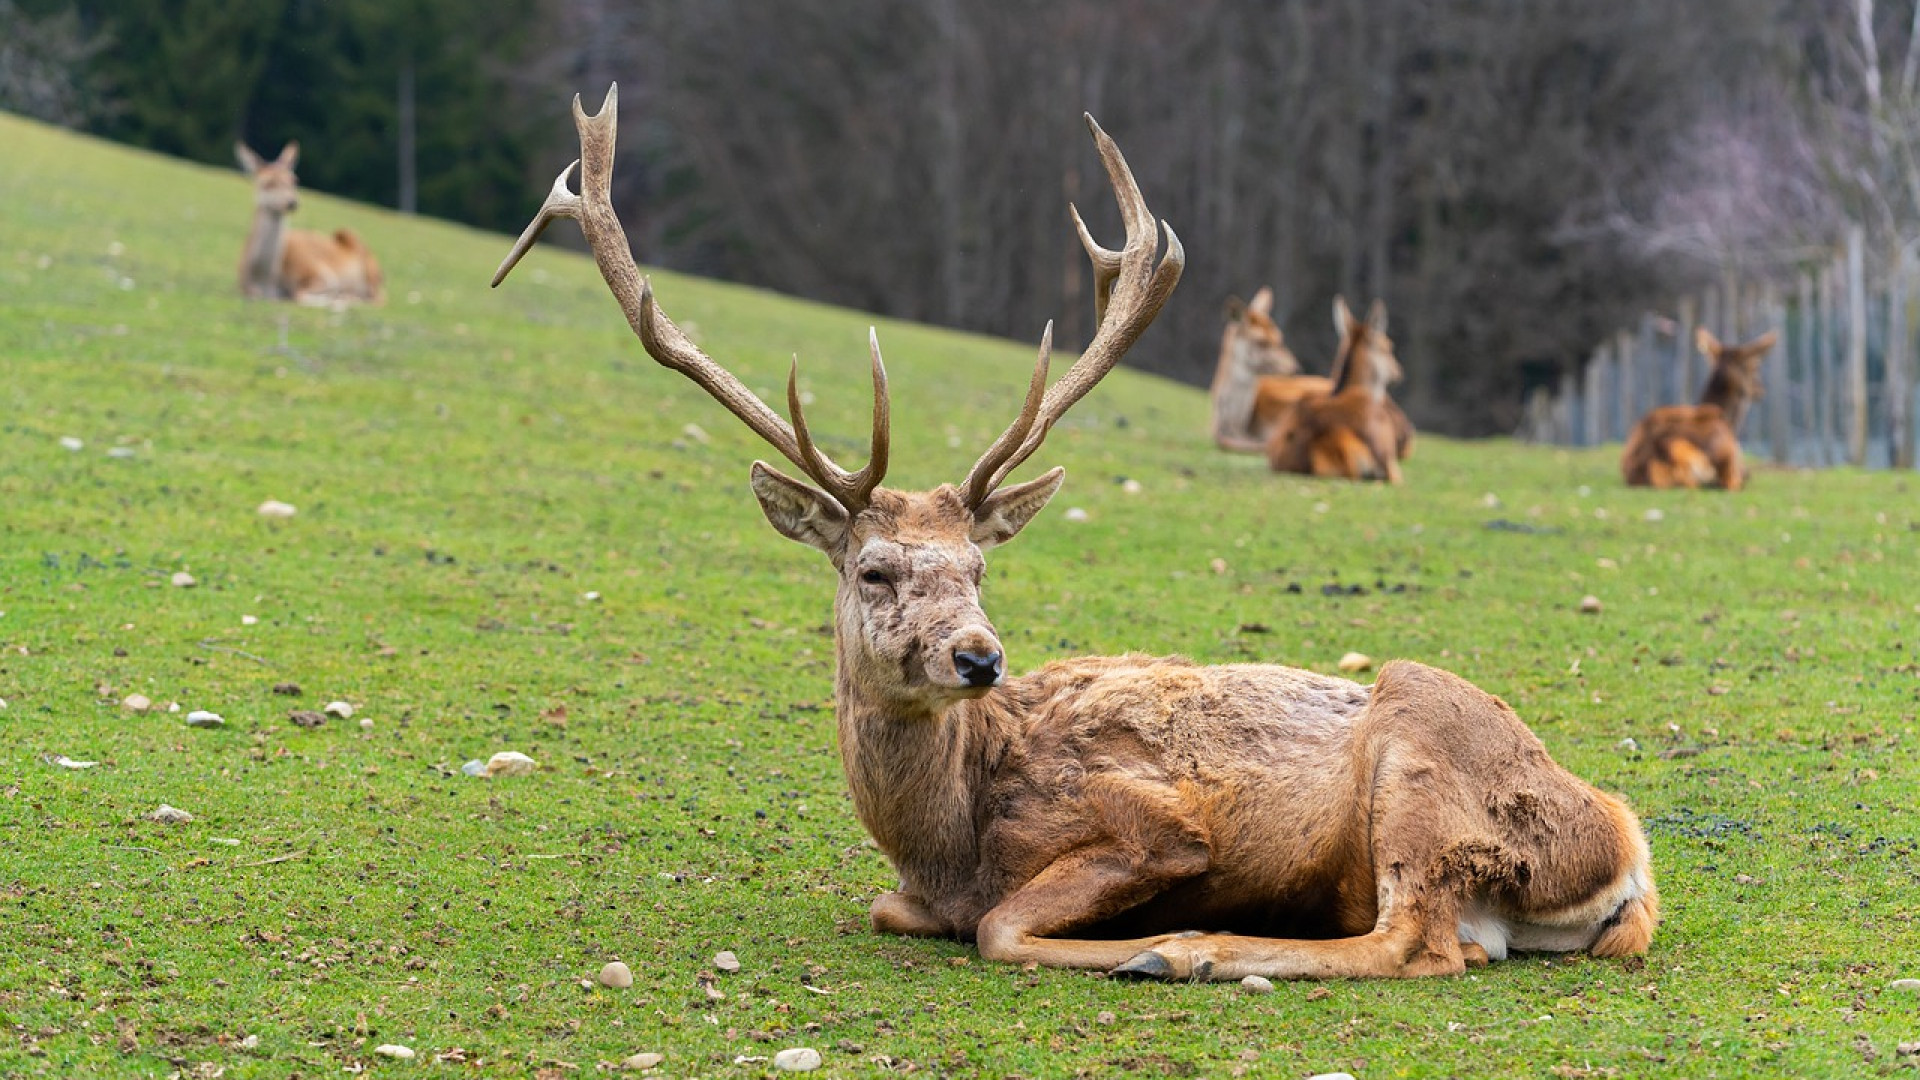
(1129, 290)
(665, 342)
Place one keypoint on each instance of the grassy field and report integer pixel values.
(507, 539)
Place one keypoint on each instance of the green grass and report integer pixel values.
(468, 465)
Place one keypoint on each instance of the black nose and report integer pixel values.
(978, 669)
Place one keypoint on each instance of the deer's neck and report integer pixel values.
(1731, 398)
(916, 777)
(260, 262)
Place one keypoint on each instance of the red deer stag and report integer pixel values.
(279, 263)
(1089, 814)
(1253, 356)
(1355, 430)
(1693, 446)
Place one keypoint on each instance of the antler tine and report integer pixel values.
(1129, 290)
(664, 341)
(854, 489)
(992, 466)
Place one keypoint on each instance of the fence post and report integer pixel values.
(1566, 411)
(1624, 412)
(1680, 386)
(1803, 400)
(1856, 410)
(1593, 401)
(1780, 399)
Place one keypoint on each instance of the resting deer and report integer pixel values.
(1091, 813)
(1253, 359)
(280, 263)
(1355, 430)
(1693, 446)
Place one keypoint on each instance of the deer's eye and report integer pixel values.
(875, 577)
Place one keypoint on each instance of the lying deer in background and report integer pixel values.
(1253, 354)
(1694, 446)
(1355, 430)
(280, 263)
(1093, 812)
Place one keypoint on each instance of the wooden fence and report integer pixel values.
(1840, 385)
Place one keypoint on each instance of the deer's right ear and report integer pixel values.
(1704, 340)
(1342, 318)
(799, 512)
(1008, 510)
(249, 161)
(289, 155)
(1262, 301)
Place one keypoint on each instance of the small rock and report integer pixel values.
(307, 718)
(510, 763)
(248, 620)
(1590, 605)
(287, 689)
(1629, 744)
(183, 580)
(1906, 986)
(475, 767)
(1354, 661)
(395, 1051)
(121, 452)
(1654, 513)
(1256, 984)
(616, 975)
(1074, 513)
(1104, 1017)
(72, 443)
(1130, 486)
(225, 841)
(1490, 501)
(203, 718)
(338, 708)
(274, 508)
(136, 703)
(1747, 879)
(1331, 1076)
(170, 815)
(697, 434)
(1218, 566)
(366, 723)
(590, 597)
(251, 1042)
(797, 1059)
(66, 762)
(644, 1061)
(724, 960)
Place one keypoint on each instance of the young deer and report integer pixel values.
(1355, 430)
(1089, 813)
(280, 263)
(1253, 357)
(1695, 446)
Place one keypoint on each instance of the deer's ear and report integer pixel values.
(1008, 510)
(1262, 301)
(1759, 346)
(1704, 340)
(289, 155)
(249, 161)
(1342, 317)
(799, 512)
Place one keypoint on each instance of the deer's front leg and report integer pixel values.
(907, 915)
(1077, 890)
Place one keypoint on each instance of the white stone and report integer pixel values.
(251, 1042)
(1331, 1076)
(697, 434)
(66, 762)
(121, 452)
(1905, 985)
(1130, 486)
(616, 975)
(274, 508)
(1590, 604)
(1355, 661)
(644, 1061)
(72, 443)
(590, 597)
(475, 767)
(1654, 513)
(797, 1059)
(1256, 984)
(366, 723)
(726, 961)
(137, 702)
(183, 580)
(1629, 744)
(203, 718)
(340, 709)
(510, 763)
(170, 815)
(1074, 513)
(395, 1051)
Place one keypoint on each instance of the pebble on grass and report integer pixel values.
(1075, 513)
(338, 708)
(170, 815)
(1905, 985)
(616, 975)
(395, 1051)
(644, 1061)
(797, 1059)
(274, 508)
(1256, 984)
(1590, 605)
(183, 580)
(1355, 661)
(203, 718)
(510, 763)
(136, 703)
(726, 961)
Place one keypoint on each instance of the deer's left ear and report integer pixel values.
(1759, 346)
(799, 512)
(1008, 510)
(289, 155)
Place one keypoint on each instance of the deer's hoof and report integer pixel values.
(1146, 965)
